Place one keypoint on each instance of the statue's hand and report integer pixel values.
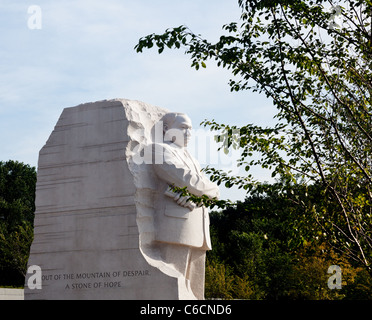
(184, 201)
(181, 200)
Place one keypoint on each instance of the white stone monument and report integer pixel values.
(107, 225)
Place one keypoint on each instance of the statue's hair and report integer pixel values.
(169, 118)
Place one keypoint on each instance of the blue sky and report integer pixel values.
(84, 52)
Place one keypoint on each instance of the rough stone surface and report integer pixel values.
(93, 207)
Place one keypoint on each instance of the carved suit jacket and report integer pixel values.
(173, 222)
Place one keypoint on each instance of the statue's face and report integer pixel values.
(180, 131)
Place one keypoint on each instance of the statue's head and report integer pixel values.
(177, 128)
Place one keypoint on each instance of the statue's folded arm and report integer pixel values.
(177, 174)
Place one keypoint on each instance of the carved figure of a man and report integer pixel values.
(181, 227)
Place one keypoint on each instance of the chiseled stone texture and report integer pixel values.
(91, 201)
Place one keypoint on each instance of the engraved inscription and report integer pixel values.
(95, 280)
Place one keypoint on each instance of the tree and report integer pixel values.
(17, 192)
(313, 59)
(267, 247)
(17, 207)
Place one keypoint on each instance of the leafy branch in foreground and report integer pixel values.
(318, 74)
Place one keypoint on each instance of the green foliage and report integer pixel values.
(317, 72)
(219, 281)
(17, 193)
(17, 206)
(15, 247)
(269, 248)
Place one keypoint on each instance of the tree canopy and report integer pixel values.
(17, 207)
(267, 248)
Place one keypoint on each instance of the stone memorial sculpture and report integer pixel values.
(107, 223)
(182, 228)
